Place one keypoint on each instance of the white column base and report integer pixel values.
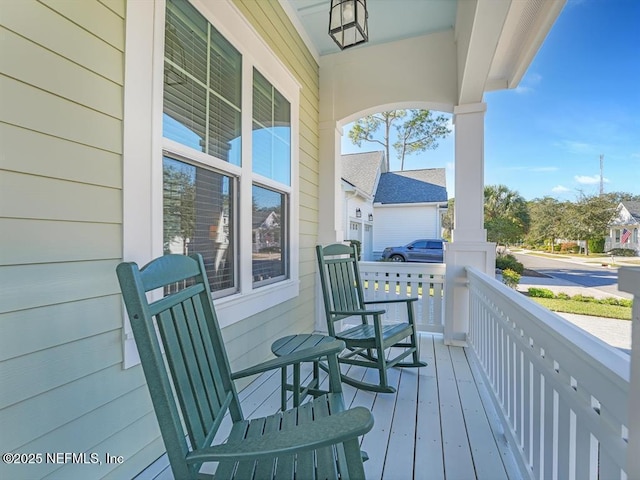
(459, 255)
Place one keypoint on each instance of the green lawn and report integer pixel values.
(585, 308)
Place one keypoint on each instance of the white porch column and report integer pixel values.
(330, 228)
(469, 246)
(629, 281)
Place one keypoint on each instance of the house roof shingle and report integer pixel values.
(412, 186)
(361, 170)
(633, 208)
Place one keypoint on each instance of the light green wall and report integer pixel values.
(63, 388)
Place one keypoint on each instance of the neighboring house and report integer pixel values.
(383, 209)
(408, 205)
(238, 100)
(625, 229)
(360, 176)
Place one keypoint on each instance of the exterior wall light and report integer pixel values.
(358, 213)
(348, 22)
(371, 217)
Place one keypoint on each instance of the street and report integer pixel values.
(590, 276)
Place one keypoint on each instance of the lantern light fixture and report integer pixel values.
(358, 213)
(348, 22)
(371, 217)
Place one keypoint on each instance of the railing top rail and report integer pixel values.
(610, 360)
(404, 267)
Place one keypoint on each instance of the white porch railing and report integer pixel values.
(384, 280)
(563, 394)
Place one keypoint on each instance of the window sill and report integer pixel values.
(238, 307)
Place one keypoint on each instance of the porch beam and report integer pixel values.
(479, 24)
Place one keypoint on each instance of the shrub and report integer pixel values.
(583, 298)
(541, 293)
(596, 245)
(358, 245)
(570, 247)
(622, 252)
(509, 262)
(623, 302)
(563, 296)
(510, 278)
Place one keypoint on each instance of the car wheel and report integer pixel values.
(397, 258)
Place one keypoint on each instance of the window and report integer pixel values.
(198, 217)
(202, 111)
(271, 131)
(268, 236)
(202, 85)
(210, 143)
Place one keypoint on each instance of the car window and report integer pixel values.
(434, 245)
(419, 244)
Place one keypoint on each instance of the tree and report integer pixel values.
(448, 220)
(506, 216)
(547, 224)
(590, 217)
(417, 131)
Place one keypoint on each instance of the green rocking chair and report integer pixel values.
(368, 343)
(191, 386)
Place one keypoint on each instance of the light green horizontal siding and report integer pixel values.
(38, 241)
(35, 153)
(63, 386)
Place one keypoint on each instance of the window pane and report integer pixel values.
(202, 84)
(271, 131)
(198, 218)
(269, 235)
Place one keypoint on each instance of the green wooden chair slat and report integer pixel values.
(367, 343)
(189, 379)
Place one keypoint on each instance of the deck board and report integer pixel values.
(438, 425)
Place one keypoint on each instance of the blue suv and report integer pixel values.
(423, 250)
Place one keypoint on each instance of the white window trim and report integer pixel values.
(143, 149)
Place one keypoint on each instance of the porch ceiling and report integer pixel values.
(495, 40)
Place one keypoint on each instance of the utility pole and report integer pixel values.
(601, 176)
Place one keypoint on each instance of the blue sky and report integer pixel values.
(579, 99)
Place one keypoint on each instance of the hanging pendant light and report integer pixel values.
(348, 22)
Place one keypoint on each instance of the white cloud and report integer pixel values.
(560, 189)
(579, 147)
(589, 180)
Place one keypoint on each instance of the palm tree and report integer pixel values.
(506, 216)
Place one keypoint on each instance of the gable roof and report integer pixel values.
(362, 169)
(633, 208)
(412, 186)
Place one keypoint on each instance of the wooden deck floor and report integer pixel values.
(439, 425)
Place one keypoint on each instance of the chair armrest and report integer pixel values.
(322, 432)
(392, 300)
(305, 355)
(357, 312)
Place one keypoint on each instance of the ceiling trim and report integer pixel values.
(295, 20)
